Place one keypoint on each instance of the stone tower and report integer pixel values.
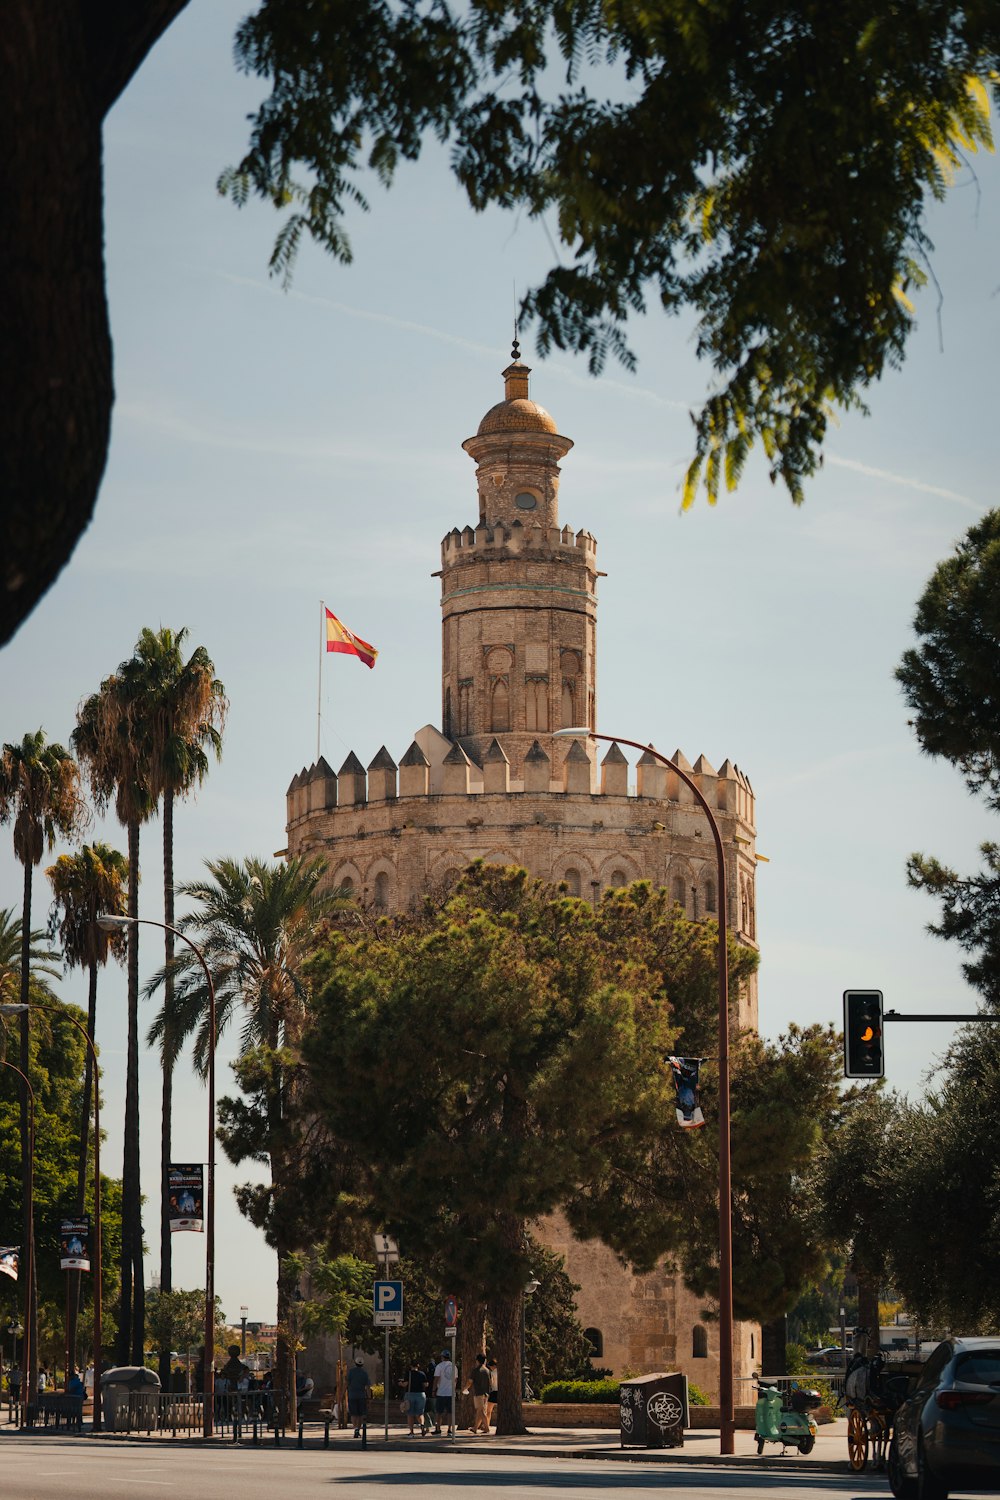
(519, 617)
(518, 594)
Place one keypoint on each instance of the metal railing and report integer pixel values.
(788, 1383)
(163, 1412)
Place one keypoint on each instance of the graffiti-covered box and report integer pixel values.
(653, 1411)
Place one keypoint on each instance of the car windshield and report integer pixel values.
(980, 1368)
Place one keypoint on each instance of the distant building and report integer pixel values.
(519, 649)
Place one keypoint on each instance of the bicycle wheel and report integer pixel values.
(857, 1440)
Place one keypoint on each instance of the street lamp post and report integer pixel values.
(530, 1288)
(727, 1415)
(110, 923)
(29, 1249)
(244, 1313)
(12, 1010)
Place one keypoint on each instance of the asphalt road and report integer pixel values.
(51, 1467)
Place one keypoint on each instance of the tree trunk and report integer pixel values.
(29, 1368)
(505, 1317)
(89, 1084)
(868, 1309)
(166, 1116)
(473, 1342)
(128, 1349)
(62, 65)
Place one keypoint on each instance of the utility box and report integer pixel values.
(653, 1411)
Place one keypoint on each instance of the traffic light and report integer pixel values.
(863, 1056)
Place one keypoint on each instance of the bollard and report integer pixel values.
(364, 1434)
(301, 1426)
(256, 1439)
(326, 1434)
(277, 1434)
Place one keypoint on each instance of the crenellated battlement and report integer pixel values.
(499, 539)
(434, 767)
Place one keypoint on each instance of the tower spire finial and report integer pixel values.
(515, 352)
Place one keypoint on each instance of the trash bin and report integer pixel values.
(118, 1387)
(653, 1411)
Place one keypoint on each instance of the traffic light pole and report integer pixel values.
(895, 1015)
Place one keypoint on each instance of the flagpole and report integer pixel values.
(319, 694)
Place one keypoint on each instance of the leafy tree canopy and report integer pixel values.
(56, 1070)
(763, 164)
(951, 681)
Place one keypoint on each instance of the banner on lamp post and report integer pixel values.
(686, 1072)
(186, 1192)
(10, 1255)
(74, 1242)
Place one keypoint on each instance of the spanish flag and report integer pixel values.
(339, 638)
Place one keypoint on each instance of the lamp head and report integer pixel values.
(14, 1010)
(581, 732)
(108, 923)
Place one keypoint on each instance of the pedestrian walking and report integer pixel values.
(358, 1391)
(444, 1390)
(416, 1398)
(491, 1365)
(479, 1389)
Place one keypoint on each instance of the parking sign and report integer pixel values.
(388, 1304)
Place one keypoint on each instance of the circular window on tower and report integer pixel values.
(526, 500)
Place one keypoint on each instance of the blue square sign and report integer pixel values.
(388, 1304)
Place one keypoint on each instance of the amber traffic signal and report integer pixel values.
(863, 1055)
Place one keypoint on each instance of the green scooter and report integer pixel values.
(789, 1422)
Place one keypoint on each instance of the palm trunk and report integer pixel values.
(29, 1367)
(132, 1310)
(166, 1113)
(89, 1083)
(284, 1353)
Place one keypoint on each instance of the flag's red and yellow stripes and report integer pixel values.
(339, 638)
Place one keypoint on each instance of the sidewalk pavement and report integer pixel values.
(700, 1447)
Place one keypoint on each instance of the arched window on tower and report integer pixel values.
(572, 879)
(596, 1338)
(745, 909)
(381, 900)
(679, 893)
(447, 713)
(618, 878)
(500, 706)
(710, 895)
(346, 887)
(699, 1342)
(536, 704)
(752, 910)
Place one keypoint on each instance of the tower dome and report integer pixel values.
(516, 412)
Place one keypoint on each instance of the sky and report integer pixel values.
(271, 449)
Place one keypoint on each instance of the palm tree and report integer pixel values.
(42, 960)
(40, 793)
(112, 739)
(83, 885)
(256, 924)
(185, 707)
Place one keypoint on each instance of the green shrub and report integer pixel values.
(581, 1391)
(696, 1396)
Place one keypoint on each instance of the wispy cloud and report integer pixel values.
(426, 331)
(906, 482)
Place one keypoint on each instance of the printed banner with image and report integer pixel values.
(186, 1193)
(74, 1239)
(9, 1257)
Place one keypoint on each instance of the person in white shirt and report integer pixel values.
(444, 1388)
